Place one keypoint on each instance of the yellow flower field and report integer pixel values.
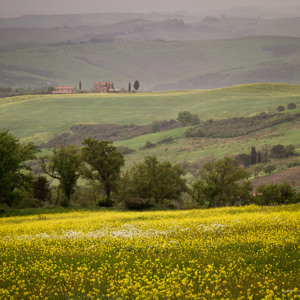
(227, 253)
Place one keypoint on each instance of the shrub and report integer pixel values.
(280, 108)
(269, 169)
(155, 127)
(125, 150)
(186, 118)
(105, 202)
(279, 151)
(148, 145)
(138, 203)
(267, 195)
(166, 140)
(273, 194)
(291, 106)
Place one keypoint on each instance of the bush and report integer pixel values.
(155, 127)
(273, 194)
(125, 150)
(279, 151)
(186, 118)
(291, 106)
(166, 140)
(269, 169)
(148, 145)
(138, 203)
(280, 108)
(105, 202)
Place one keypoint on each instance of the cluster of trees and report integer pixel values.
(136, 86)
(10, 92)
(277, 151)
(147, 183)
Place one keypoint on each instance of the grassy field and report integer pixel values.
(187, 149)
(38, 118)
(229, 253)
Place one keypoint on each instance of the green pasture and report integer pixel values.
(193, 149)
(38, 118)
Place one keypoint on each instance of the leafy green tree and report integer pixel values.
(136, 85)
(104, 164)
(257, 169)
(204, 194)
(186, 118)
(244, 159)
(13, 156)
(289, 150)
(223, 174)
(269, 169)
(64, 164)
(157, 180)
(278, 151)
(41, 188)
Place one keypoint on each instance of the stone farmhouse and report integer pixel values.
(104, 87)
(64, 90)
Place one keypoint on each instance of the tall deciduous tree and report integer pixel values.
(13, 156)
(104, 163)
(223, 174)
(157, 180)
(64, 164)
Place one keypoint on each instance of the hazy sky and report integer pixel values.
(14, 8)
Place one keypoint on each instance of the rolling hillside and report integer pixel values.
(157, 65)
(40, 118)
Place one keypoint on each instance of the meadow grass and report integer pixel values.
(193, 149)
(37, 118)
(227, 253)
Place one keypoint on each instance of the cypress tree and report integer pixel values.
(259, 158)
(253, 156)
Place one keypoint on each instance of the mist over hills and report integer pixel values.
(177, 50)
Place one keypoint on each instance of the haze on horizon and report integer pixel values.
(15, 8)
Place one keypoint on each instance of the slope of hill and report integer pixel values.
(158, 65)
(39, 117)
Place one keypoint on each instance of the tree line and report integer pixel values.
(148, 183)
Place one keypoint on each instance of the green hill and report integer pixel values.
(39, 117)
(157, 65)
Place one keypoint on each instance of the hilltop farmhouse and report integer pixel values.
(99, 87)
(104, 87)
(64, 90)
